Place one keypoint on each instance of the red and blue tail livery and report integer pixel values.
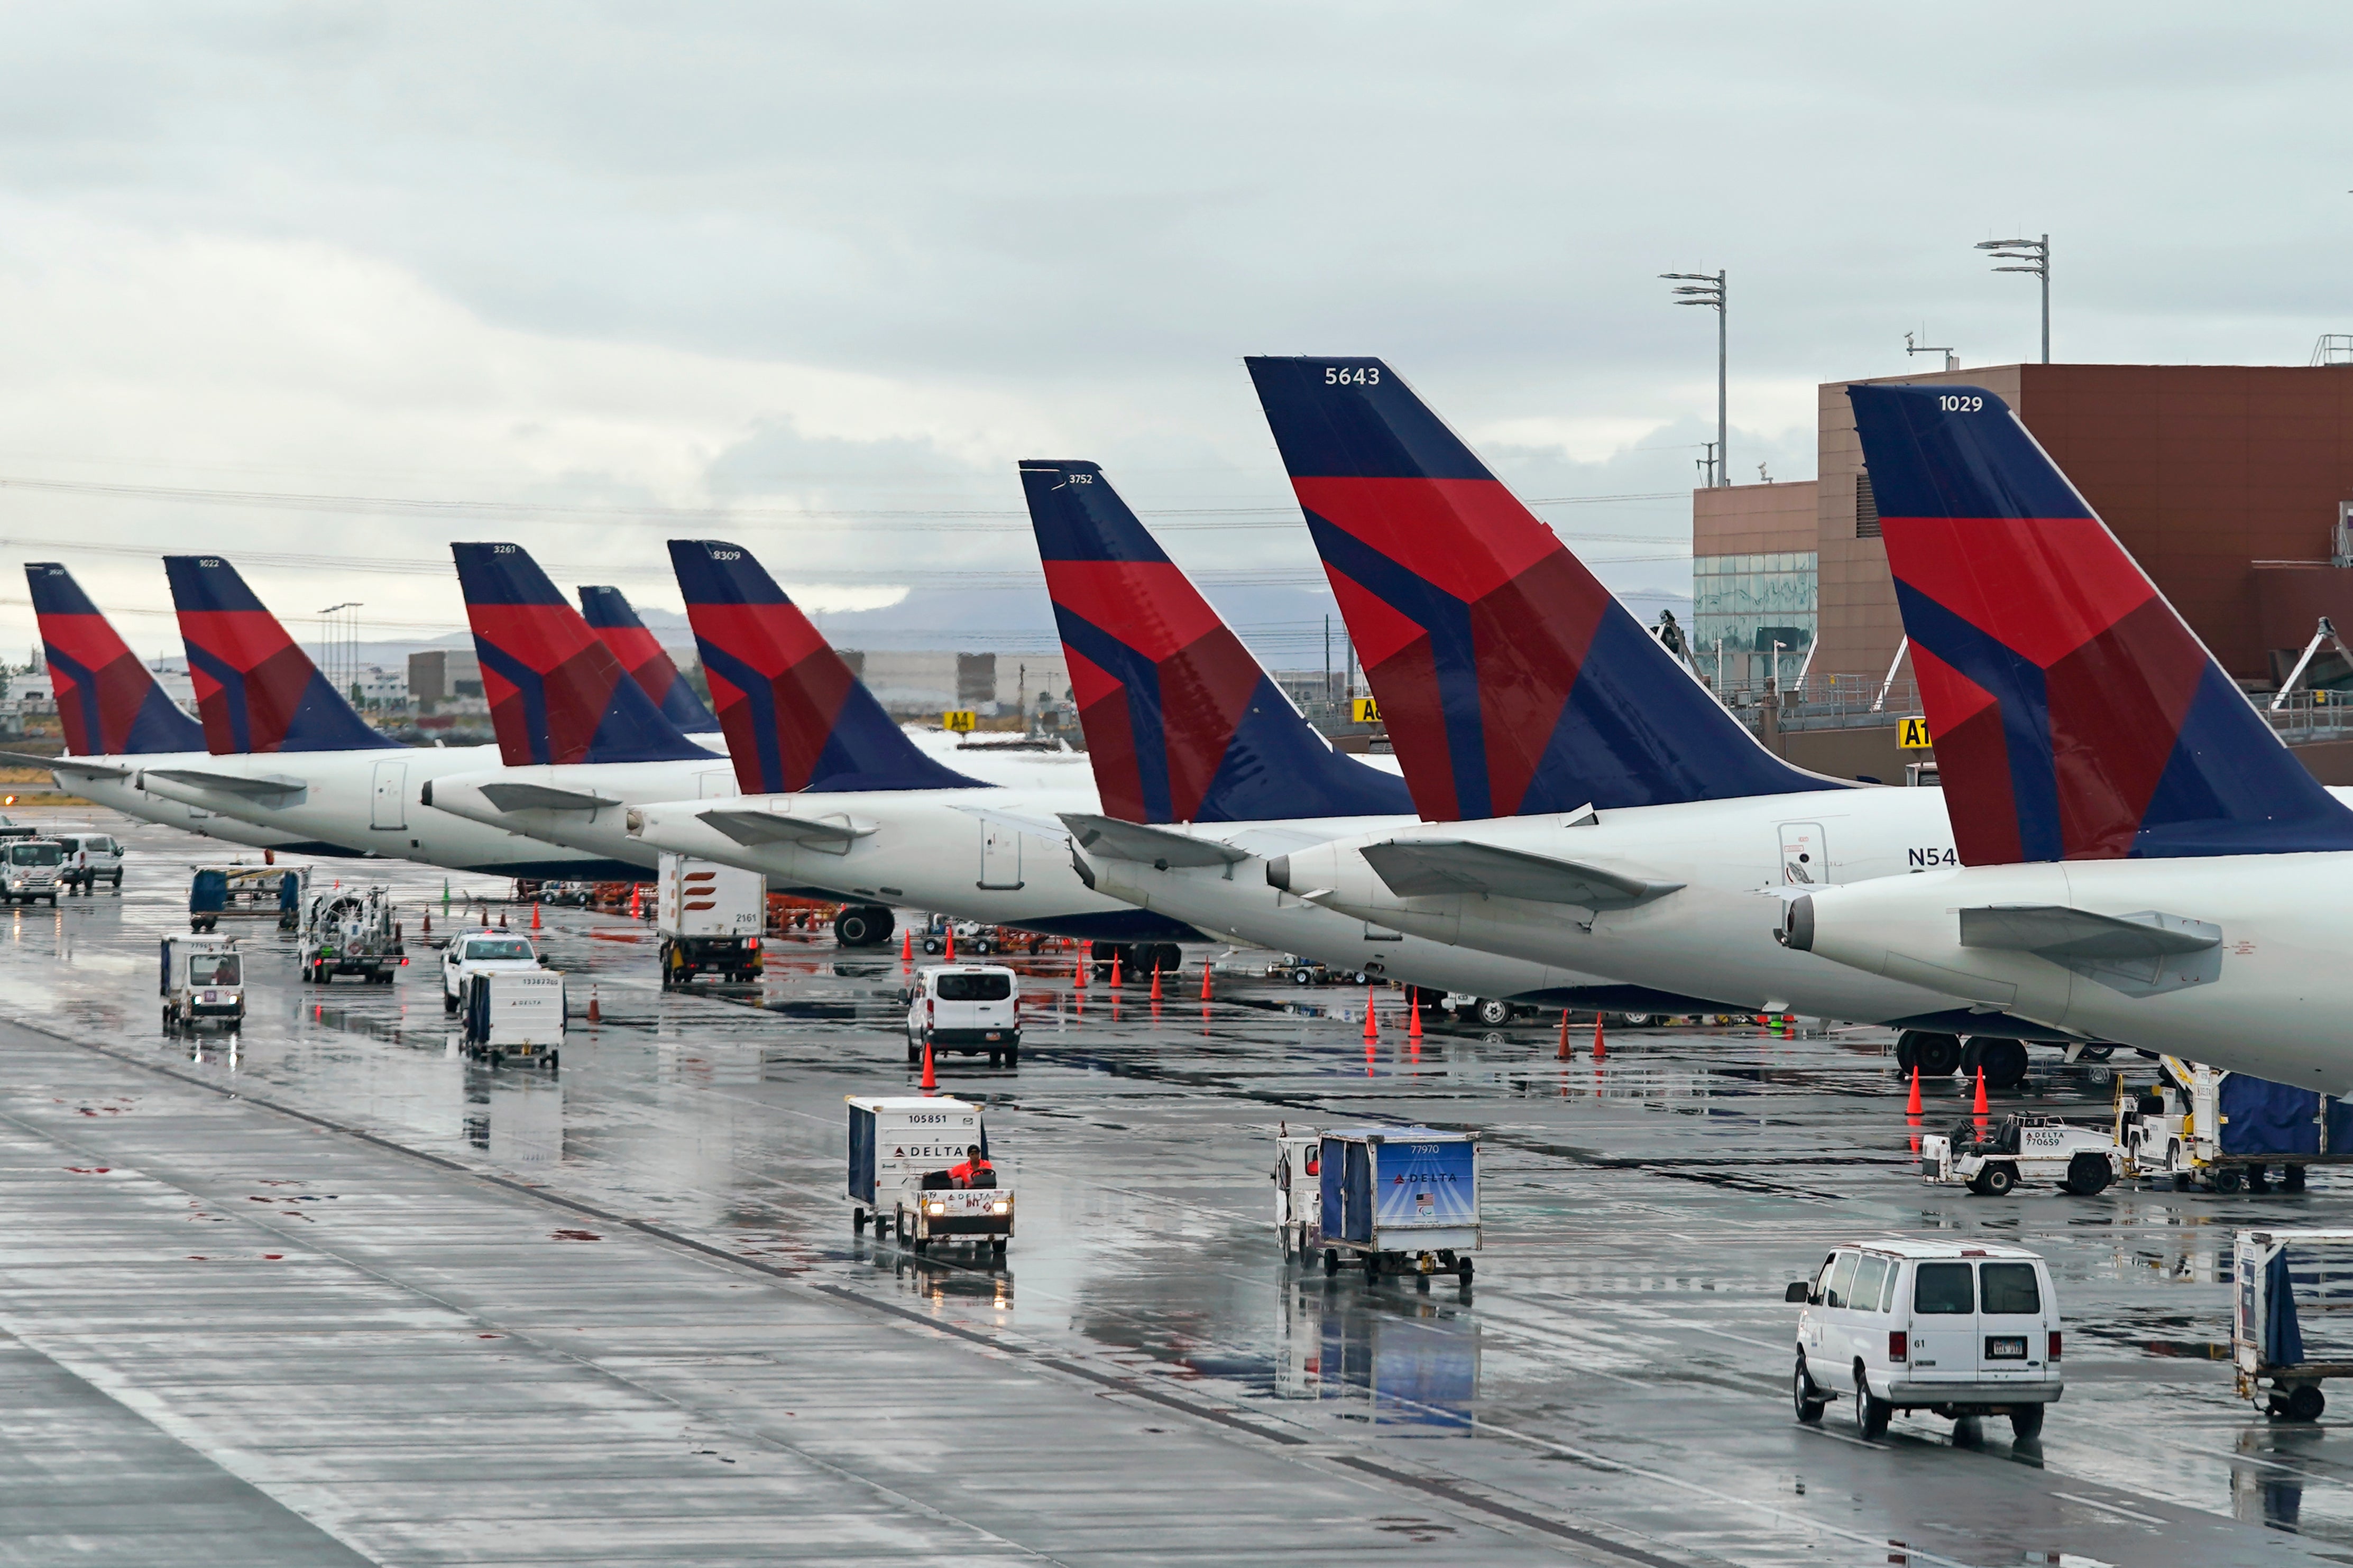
(1182, 723)
(795, 716)
(109, 701)
(1513, 683)
(257, 690)
(617, 625)
(2076, 716)
(557, 693)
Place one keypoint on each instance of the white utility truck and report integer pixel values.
(202, 982)
(30, 869)
(513, 1013)
(2078, 1159)
(903, 1149)
(2220, 1131)
(348, 931)
(710, 918)
(965, 1008)
(1897, 1325)
(482, 952)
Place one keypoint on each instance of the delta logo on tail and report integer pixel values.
(1182, 723)
(1513, 683)
(557, 693)
(617, 625)
(794, 717)
(256, 689)
(109, 703)
(2077, 717)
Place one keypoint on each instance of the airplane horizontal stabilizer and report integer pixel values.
(541, 797)
(1422, 868)
(754, 829)
(1117, 840)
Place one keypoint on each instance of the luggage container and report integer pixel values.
(710, 919)
(513, 1013)
(1402, 1199)
(2291, 1317)
(902, 1148)
(218, 892)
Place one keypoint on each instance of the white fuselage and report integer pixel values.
(368, 800)
(1234, 900)
(2271, 1000)
(1711, 937)
(108, 783)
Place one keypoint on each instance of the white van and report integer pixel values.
(965, 1008)
(1944, 1326)
(91, 859)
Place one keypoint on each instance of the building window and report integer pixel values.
(1866, 508)
(1745, 603)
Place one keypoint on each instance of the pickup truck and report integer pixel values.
(481, 953)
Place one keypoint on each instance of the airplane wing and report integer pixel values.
(2057, 932)
(1428, 868)
(756, 827)
(541, 797)
(1159, 847)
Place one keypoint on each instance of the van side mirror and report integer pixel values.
(1799, 1291)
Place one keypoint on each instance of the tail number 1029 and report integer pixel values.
(1957, 403)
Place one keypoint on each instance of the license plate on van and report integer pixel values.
(2005, 1347)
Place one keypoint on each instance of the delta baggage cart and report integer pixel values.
(902, 1148)
(514, 1014)
(2291, 1317)
(218, 892)
(1402, 1199)
(1298, 1192)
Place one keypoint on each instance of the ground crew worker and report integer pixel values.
(975, 1163)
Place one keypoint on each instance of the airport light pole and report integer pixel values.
(2035, 256)
(1707, 289)
(342, 653)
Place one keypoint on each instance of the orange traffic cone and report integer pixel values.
(595, 1014)
(1912, 1101)
(534, 914)
(1413, 1014)
(428, 922)
(1086, 962)
(1114, 967)
(1563, 1053)
(1978, 1105)
(907, 948)
(635, 889)
(1155, 980)
(930, 1079)
(1205, 980)
(1372, 1027)
(1599, 1049)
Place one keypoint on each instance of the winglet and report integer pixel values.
(617, 625)
(795, 716)
(1182, 723)
(557, 693)
(1513, 683)
(109, 701)
(257, 690)
(2076, 715)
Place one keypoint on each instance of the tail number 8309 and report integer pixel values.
(1364, 376)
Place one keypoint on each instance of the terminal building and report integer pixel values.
(2233, 484)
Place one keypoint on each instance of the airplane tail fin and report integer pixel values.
(257, 690)
(617, 625)
(1182, 723)
(795, 716)
(1513, 683)
(2076, 716)
(109, 703)
(557, 693)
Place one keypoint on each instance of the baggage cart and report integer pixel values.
(218, 892)
(2291, 1317)
(900, 1149)
(1400, 1199)
(514, 1014)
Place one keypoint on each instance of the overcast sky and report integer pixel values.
(566, 267)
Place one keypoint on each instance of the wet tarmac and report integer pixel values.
(327, 1292)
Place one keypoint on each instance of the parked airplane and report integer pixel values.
(2143, 859)
(1619, 820)
(835, 795)
(1205, 768)
(287, 751)
(617, 625)
(117, 720)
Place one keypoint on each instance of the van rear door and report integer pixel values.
(1944, 1321)
(2010, 1335)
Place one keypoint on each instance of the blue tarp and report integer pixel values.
(2264, 1118)
(2282, 1340)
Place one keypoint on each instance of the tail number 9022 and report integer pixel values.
(1951, 404)
(1365, 375)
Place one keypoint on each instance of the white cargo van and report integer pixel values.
(1943, 1326)
(91, 859)
(965, 1008)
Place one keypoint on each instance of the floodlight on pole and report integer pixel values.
(1707, 289)
(2035, 256)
